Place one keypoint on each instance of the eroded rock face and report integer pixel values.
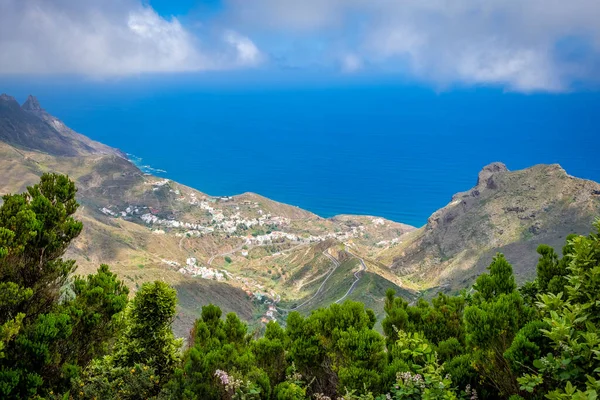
(464, 201)
(486, 175)
(31, 128)
(32, 104)
(509, 212)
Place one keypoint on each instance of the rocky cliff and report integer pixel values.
(30, 127)
(508, 212)
(248, 253)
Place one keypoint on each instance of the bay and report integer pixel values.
(394, 151)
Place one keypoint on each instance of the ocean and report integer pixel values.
(394, 151)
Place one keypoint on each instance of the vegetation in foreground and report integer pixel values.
(69, 337)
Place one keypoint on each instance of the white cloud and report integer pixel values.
(524, 45)
(513, 43)
(106, 38)
(247, 52)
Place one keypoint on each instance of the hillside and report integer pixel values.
(507, 212)
(30, 127)
(261, 258)
(244, 253)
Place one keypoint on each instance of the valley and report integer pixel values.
(263, 259)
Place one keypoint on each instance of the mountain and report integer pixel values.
(246, 253)
(263, 259)
(30, 127)
(507, 212)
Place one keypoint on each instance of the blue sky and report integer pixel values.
(185, 7)
(517, 45)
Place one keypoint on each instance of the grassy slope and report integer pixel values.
(370, 290)
(135, 253)
(512, 213)
(541, 204)
(130, 249)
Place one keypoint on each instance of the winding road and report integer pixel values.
(336, 264)
(251, 246)
(363, 267)
(210, 260)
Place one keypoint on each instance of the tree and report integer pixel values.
(552, 271)
(396, 316)
(96, 306)
(43, 322)
(492, 321)
(38, 225)
(499, 281)
(571, 369)
(337, 348)
(148, 338)
(269, 352)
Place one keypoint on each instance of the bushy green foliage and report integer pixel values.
(148, 338)
(145, 353)
(103, 380)
(47, 316)
(336, 348)
(69, 337)
(425, 377)
(571, 369)
(217, 344)
(497, 312)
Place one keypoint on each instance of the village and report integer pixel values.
(233, 220)
(252, 288)
(233, 224)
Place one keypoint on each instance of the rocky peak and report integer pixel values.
(485, 178)
(8, 105)
(32, 104)
(31, 128)
(462, 202)
(7, 99)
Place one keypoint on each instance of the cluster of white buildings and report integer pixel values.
(229, 224)
(129, 211)
(192, 268)
(271, 237)
(252, 288)
(270, 314)
(152, 219)
(219, 221)
(385, 243)
(108, 211)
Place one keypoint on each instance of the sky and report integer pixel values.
(550, 46)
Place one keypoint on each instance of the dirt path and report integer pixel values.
(357, 274)
(336, 264)
(210, 260)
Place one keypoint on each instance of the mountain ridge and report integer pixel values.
(30, 127)
(266, 254)
(507, 211)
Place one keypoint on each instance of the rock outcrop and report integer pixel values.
(30, 127)
(508, 212)
(32, 104)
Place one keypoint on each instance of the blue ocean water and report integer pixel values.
(394, 151)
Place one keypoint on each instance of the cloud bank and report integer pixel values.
(522, 45)
(109, 37)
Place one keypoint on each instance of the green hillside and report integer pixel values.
(66, 336)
